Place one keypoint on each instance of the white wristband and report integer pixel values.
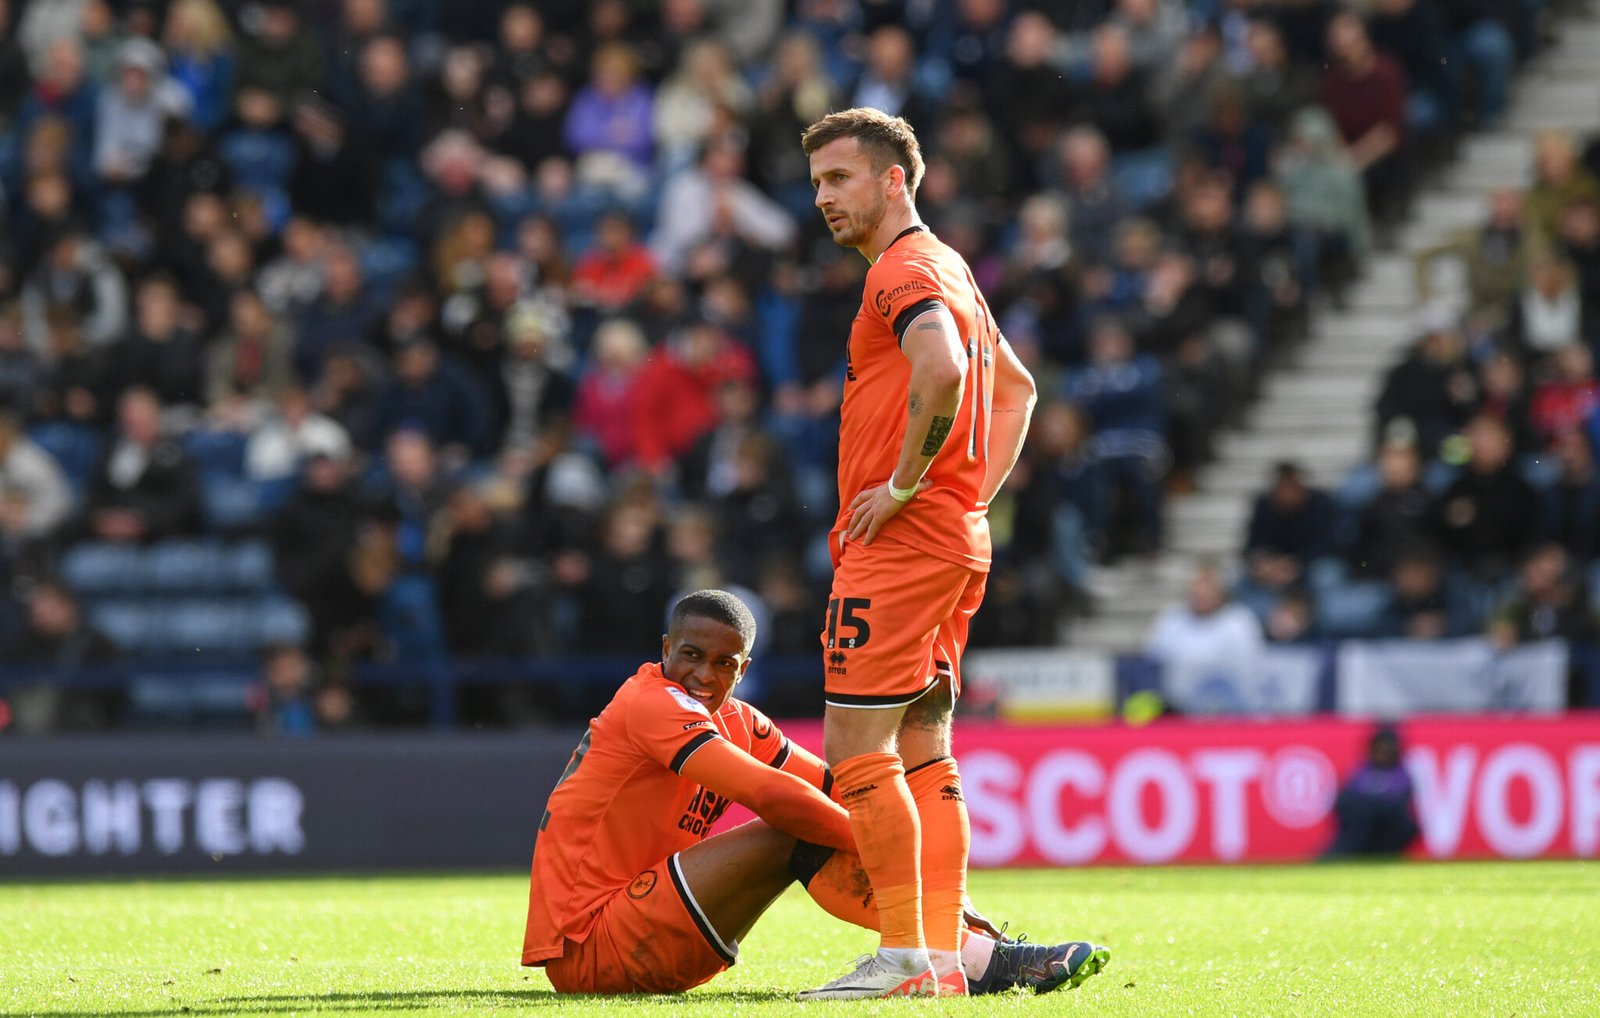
(901, 494)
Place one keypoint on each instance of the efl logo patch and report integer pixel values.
(686, 701)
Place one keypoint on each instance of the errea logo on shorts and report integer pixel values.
(836, 662)
(885, 299)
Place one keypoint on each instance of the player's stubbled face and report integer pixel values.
(849, 193)
(706, 658)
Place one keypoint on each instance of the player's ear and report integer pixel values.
(897, 180)
(666, 646)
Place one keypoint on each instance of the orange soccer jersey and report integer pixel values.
(621, 807)
(947, 520)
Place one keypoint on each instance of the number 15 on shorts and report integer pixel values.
(842, 614)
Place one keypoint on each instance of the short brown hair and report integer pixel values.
(890, 141)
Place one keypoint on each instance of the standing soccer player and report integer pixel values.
(936, 406)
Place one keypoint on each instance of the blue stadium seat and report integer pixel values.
(249, 567)
(216, 452)
(183, 566)
(279, 620)
(97, 569)
(230, 503)
(132, 625)
(76, 448)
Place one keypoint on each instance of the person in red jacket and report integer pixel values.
(676, 391)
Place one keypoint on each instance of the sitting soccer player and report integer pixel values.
(630, 895)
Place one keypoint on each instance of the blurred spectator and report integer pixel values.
(335, 174)
(1121, 393)
(1278, 86)
(77, 277)
(1578, 233)
(1292, 618)
(1206, 630)
(1060, 504)
(1568, 397)
(290, 436)
(1291, 526)
(34, 497)
(22, 370)
(1432, 390)
(13, 65)
(313, 538)
(888, 80)
(1495, 255)
(344, 310)
(1326, 197)
(535, 388)
(385, 112)
(249, 364)
(1365, 93)
(434, 395)
(625, 583)
(608, 125)
(1551, 309)
(63, 89)
(145, 488)
(610, 275)
(202, 64)
(704, 88)
(1505, 395)
(675, 394)
(1548, 603)
(489, 604)
(1396, 518)
(1418, 610)
(1115, 97)
(606, 405)
(713, 202)
(1571, 505)
(1488, 516)
(284, 700)
(1095, 201)
(59, 641)
(1374, 811)
(133, 109)
(281, 56)
(161, 353)
(1559, 180)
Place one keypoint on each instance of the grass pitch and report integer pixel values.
(1463, 939)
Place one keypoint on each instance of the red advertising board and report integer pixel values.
(1181, 791)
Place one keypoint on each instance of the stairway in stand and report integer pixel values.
(1317, 407)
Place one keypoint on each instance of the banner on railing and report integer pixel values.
(1396, 678)
(1045, 684)
(1279, 681)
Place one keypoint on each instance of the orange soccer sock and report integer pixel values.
(883, 818)
(946, 840)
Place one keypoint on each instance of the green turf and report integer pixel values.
(1466, 939)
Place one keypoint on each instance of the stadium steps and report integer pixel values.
(1317, 408)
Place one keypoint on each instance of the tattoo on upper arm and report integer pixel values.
(931, 325)
(938, 431)
(916, 404)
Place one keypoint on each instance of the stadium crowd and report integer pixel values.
(503, 323)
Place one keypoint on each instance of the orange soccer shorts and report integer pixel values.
(650, 937)
(897, 619)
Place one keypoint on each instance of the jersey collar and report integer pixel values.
(908, 231)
